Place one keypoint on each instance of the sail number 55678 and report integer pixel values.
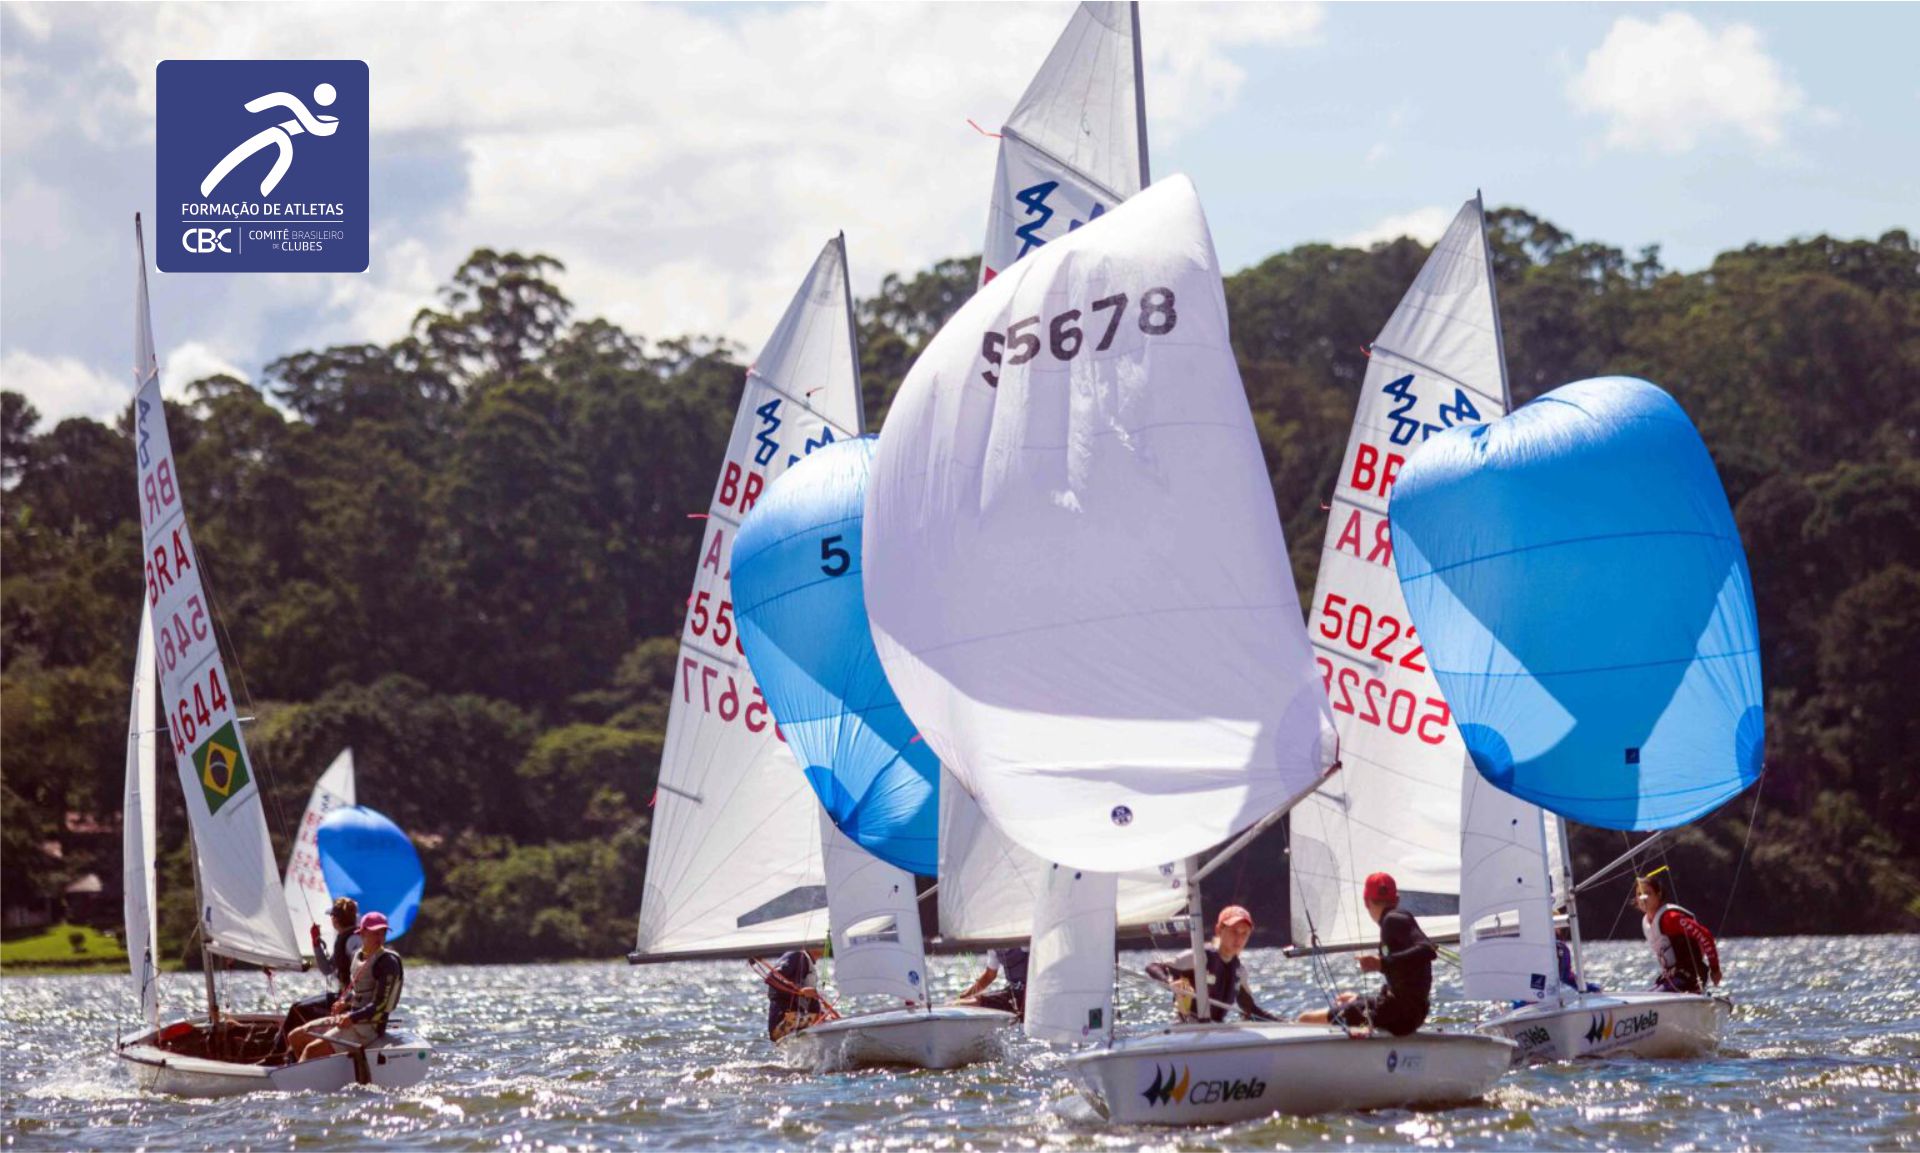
(1066, 339)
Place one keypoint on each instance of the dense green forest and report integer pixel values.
(466, 555)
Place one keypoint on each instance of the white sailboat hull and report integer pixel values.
(1670, 1025)
(1210, 1074)
(945, 1037)
(395, 1061)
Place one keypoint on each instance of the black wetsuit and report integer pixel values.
(1224, 986)
(340, 966)
(1012, 963)
(797, 968)
(375, 999)
(1406, 960)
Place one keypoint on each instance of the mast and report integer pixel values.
(853, 339)
(1573, 912)
(1196, 919)
(1493, 292)
(1140, 97)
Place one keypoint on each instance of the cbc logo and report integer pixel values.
(204, 240)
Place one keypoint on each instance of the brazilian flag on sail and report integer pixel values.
(222, 767)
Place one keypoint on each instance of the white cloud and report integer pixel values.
(685, 163)
(1423, 224)
(1670, 83)
(61, 386)
(191, 361)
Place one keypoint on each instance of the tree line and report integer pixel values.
(466, 555)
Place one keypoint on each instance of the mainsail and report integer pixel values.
(1075, 575)
(243, 913)
(1076, 144)
(305, 886)
(137, 828)
(1396, 807)
(729, 789)
(1597, 636)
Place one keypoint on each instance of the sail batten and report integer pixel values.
(729, 789)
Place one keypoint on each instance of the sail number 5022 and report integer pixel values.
(1065, 336)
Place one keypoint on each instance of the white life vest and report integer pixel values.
(1662, 947)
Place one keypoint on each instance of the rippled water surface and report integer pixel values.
(1824, 1052)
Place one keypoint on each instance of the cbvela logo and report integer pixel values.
(261, 165)
(1606, 1027)
(1175, 1086)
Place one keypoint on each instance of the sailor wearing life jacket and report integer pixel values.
(1683, 947)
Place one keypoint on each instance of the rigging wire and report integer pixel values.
(1734, 886)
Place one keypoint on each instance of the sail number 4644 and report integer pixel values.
(1066, 339)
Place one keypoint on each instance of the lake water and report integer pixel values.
(1824, 1052)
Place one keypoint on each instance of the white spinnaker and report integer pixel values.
(1070, 970)
(137, 828)
(730, 792)
(1075, 145)
(243, 914)
(875, 913)
(305, 886)
(1076, 578)
(1506, 898)
(1395, 806)
(989, 885)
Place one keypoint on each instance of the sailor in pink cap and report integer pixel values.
(360, 1015)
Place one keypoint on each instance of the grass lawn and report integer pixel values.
(54, 949)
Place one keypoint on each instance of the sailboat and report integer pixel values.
(1074, 147)
(1576, 575)
(1396, 807)
(243, 913)
(1079, 589)
(305, 885)
(803, 625)
(743, 860)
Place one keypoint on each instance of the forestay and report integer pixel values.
(1576, 576)
(137, 828)
(1396, 805)
(729, 789)
(1070, 970)
(305, 885)
(1075, 145)
(989, 885)
(243, 912)
(803, 626)
(1076, 578)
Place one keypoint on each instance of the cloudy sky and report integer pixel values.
(687, 162)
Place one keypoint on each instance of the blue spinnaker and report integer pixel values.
(365, 856)
(803, 626)
(1575, 576)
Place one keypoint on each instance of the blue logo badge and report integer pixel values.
(261, 166)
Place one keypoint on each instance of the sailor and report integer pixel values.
(1405, 959)
(1012, 963)
(1683, 947)
(1564, 951)
(792, 1001)
(373, 991)
(1231, 931)
(336, 968)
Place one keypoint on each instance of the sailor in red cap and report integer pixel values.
(1231, 931)
(1405, 959)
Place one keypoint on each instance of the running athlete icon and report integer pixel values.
(280, 135)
